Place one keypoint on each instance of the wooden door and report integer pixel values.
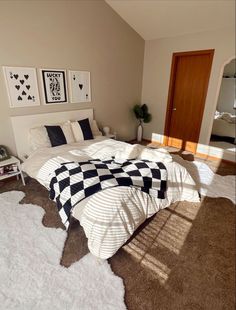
(187, 94)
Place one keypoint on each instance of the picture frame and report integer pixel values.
(54, 86)
(79, 86)
(22, 86)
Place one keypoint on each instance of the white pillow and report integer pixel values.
(95, 129)
(38, 136)
(77, 131)
(67, 130)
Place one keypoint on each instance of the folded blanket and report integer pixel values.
(130, 152)
(73, 182)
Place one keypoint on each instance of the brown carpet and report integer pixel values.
(183, 258)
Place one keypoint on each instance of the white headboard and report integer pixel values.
(22, 124)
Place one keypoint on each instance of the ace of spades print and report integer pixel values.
(22, 86)
(79, 82)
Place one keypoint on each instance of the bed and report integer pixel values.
(224, 125)
(110, 216)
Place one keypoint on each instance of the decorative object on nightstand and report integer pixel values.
(112, 136)
(3, 153)
(11, 167)
(106, 130)
(143, 116)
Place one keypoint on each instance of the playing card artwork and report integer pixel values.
(22, 86)
(79, 82)
(54, 86)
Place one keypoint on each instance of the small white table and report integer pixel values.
(12, 161)
(111, 136)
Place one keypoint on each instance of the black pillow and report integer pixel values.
(56, 135)
(86, 129)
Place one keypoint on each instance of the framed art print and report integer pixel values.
(79, 83)
(22, 86)
(54, 86)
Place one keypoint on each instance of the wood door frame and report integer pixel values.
(169, 108)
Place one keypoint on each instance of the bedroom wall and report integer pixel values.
(157, 65)
(79, 35)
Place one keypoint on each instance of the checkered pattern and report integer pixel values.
(73, 182)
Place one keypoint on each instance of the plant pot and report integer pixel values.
(140, 133)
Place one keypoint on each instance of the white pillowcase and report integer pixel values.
(95, 129)
(38, 136)
(68, 133)
(77, 131)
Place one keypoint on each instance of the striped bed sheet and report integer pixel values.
(111, 216)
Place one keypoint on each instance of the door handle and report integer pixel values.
(174, 109)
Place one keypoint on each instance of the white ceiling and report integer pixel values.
(154, 19)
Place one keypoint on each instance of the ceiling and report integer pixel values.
(154, 19)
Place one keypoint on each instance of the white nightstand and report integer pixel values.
(111, 136)
(12, 161)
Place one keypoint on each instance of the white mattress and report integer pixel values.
(111, 216)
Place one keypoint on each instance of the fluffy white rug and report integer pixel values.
(31, 276)
(209, 183)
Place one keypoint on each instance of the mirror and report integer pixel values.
(224, 124)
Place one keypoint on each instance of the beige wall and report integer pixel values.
(79, 35)
(226, 98)
(157, 64)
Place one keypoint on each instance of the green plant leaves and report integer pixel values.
(147, 118)
(138, 111)
(141, 113)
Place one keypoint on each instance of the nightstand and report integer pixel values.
(111, 136)
(13, 161)
(143, 142)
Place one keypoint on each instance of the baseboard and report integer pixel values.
(203, 151)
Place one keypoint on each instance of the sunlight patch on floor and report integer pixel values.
(168, 230)
(155, 266)
(171, 238)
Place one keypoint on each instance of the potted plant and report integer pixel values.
(143, 116)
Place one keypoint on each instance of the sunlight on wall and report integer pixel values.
(167, 231)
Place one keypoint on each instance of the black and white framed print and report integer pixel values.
(79, 83)
(22, 86)
(54, 86)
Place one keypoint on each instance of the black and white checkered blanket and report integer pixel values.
(73, 182)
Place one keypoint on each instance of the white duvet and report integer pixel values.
(111, 216)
